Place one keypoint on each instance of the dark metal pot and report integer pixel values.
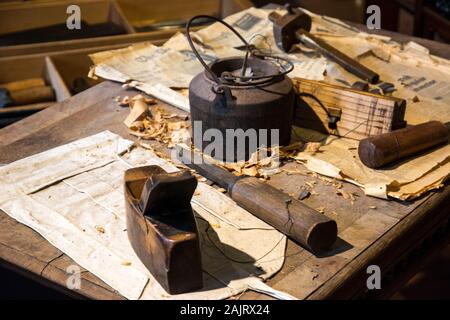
(224, 97)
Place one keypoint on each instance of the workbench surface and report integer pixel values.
(396, 236)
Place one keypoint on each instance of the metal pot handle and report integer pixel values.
(220, 84)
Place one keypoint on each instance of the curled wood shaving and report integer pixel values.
(148, 101)
(155, 123)
(139, 110)
(262, 164)
(137, 126)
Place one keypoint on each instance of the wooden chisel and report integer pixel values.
(311, 229)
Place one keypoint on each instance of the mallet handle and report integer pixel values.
(301, 223)
(382, 149)
(349, 64)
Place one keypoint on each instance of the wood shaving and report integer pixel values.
(126, 263)
(346, 195)
(148, 101)
(137, 126)
(337, 185)
(309, 184)
(130, 84)
(291, 172)
(138, 112)
(125, 102)
(100, 229)
(312, 147)
(252, 171)
(155, 123)
(263, 163)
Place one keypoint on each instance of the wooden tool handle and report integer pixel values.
(23, 84)
(349, 64)
(299, 222)
(382, 149)
(33, 95)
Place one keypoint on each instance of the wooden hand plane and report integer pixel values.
(161, 226)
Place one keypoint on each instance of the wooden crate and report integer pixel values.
(59, 69)
(141, 13)
(123, 12)
(21, 69)
(62, 62)
(18, 16)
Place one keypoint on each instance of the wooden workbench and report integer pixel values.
(395, 236)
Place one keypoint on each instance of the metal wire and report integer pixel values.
(227, 78)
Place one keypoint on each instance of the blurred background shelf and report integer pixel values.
(41, 45)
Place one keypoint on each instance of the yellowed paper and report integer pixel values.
(338, 158)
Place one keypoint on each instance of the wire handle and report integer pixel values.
(194, 50)
(222, 88)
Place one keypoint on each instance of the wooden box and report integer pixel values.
(33, 67)
(65, 64)
(20, 17)
(134, 16)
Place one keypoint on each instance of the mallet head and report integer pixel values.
(285, 27)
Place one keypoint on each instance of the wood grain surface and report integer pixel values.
(362, 224)
(370, 230)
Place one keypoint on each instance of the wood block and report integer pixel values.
(362, 114)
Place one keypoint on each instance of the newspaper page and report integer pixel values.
(73, 196)
(151, 65)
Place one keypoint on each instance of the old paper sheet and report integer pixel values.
(149, 66)
(72, 195)
(338, 158)
(147, 63)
